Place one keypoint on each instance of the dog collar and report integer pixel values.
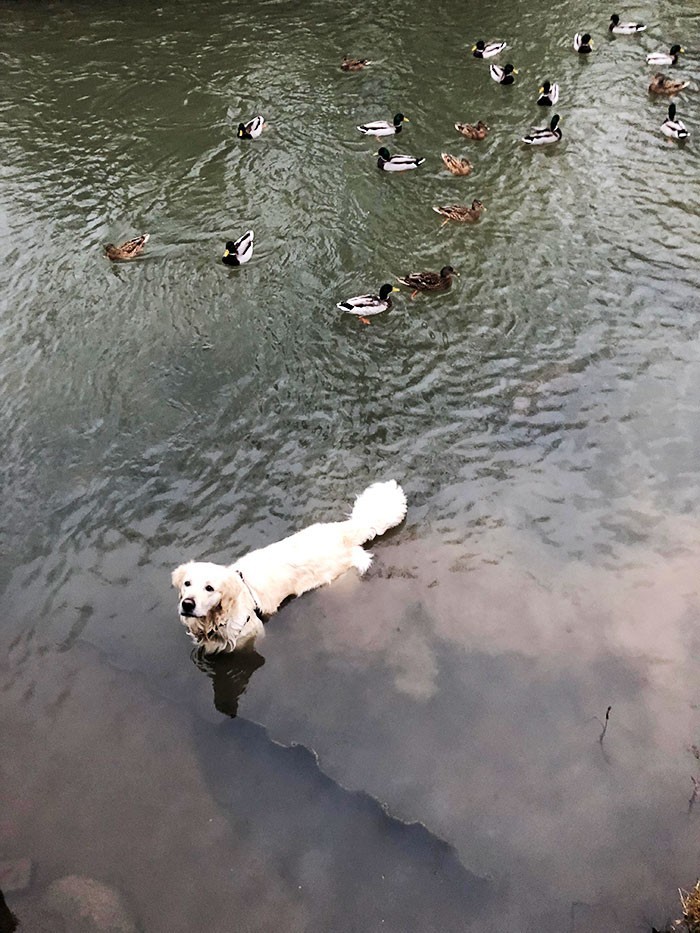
(258, 610)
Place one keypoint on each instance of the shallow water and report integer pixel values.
(542, 417)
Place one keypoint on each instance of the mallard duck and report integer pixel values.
(456, 165)
(396, 163)
(665, 58)
(129, 250)
(354, 64)
(549, 134)
(383, 127)
(503, 75)
(549, 94)
(582, 43)
(673, 128)
(428, 281)
(487, 50)
(239, 251)
(624, 29)
(662, 84)
(252, 129)
(473, 130)
(461, 213)
(366, 305)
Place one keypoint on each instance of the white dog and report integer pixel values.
(223, 607)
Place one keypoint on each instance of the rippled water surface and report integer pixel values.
(421, 749)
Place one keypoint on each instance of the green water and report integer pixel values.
(542, 416)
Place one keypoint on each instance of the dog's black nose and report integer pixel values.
(187, 606)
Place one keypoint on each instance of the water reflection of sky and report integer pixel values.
(197, 821)
(474, 701)
(463, 689)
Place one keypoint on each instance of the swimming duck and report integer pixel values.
(665, 58)
(487, 50)
(473, 130)
(675, 129)
(428, 281)
(238, 251)
(456, 165)
(624, 29)
(365, 306)
(550, 134)
(354, 64)
(503, 75)
(461, 213)
(252, 129)
(549, 94)
(383, 127)
(662, 84)
(128, 250)
(582, 43)
(396, 163)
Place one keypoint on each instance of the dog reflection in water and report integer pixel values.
(229, 673)
(8, 922)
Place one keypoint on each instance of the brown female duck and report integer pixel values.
(662, 84)
(428, 281)
(354, 64)
(129, 250)
(461, 213)
(473, 130)
(456, 165)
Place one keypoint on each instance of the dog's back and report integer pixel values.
(320, 553)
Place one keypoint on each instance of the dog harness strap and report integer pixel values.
(258, 611)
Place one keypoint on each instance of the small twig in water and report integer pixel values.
(607, 717)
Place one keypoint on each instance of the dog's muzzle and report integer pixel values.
(187, 606)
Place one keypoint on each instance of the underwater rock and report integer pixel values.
(88, 906)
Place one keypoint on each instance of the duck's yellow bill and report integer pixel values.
(395, 289)
(473, 48)
(225, 252)
(541, 91)
(515, 71)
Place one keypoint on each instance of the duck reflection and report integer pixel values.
(230, 673)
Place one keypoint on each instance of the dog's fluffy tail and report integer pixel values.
(378, 508)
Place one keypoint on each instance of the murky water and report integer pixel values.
(543, 417)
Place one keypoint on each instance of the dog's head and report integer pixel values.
(210, 596)
(201, 587)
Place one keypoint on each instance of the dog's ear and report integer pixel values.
(179, 574)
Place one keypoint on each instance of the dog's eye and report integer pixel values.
(187, 583)
(209, 588)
